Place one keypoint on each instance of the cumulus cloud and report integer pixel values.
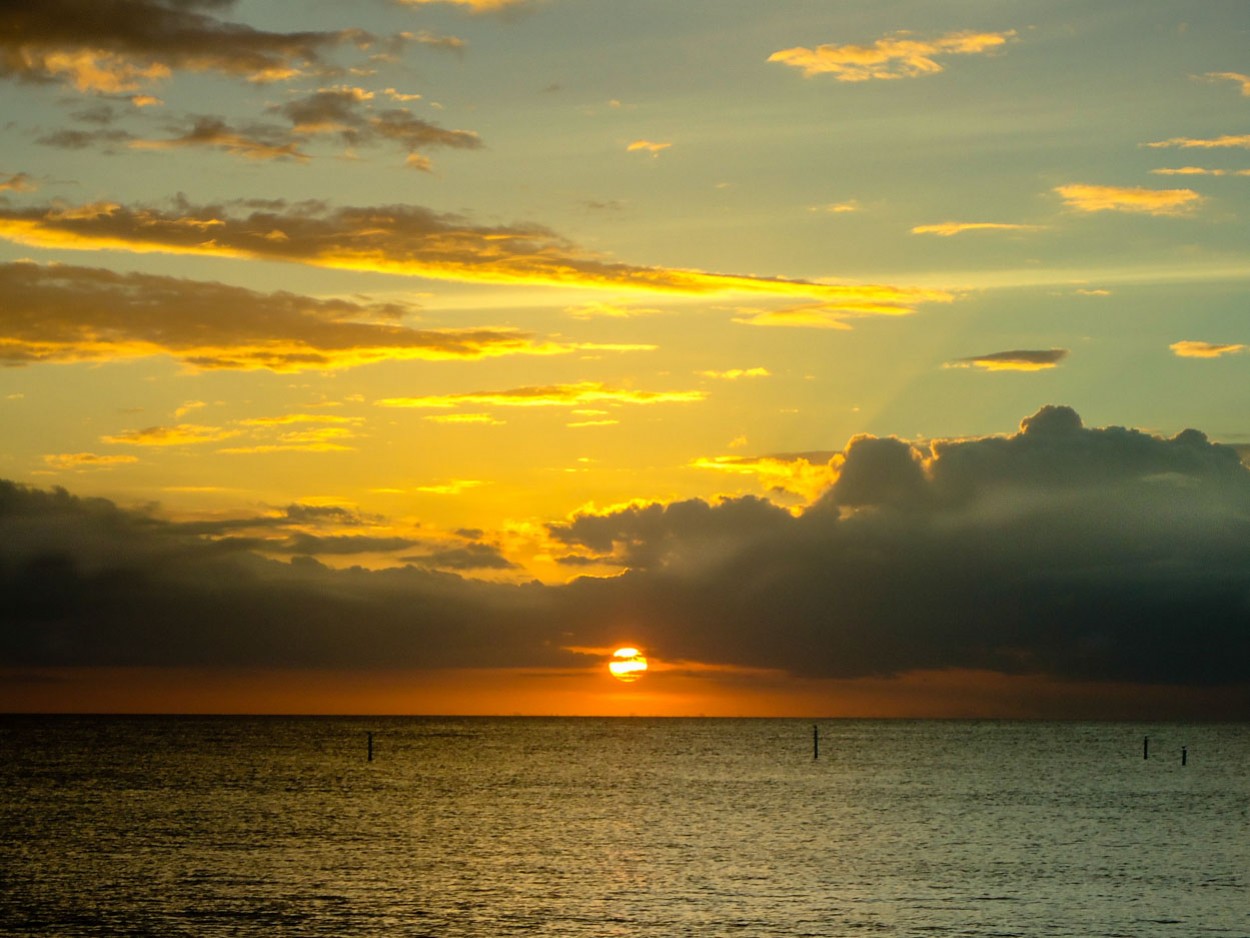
(1190, 348)
(63, 313)
(900, 55)
(405, 240)
(1059, 551)
(1086, 198)
(129, 43)
(1014, 360)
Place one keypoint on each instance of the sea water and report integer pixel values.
(172, 826)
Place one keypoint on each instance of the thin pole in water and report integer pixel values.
(1184, 754)
(815, 742)
(1145, 747)
(370, 747)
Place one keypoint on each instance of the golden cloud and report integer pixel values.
(1014, 360)
(1241, 141)
(649, 146)
(833, 315)
(1189, 348)
(551, 395)
(806, 475)
(949, 228)
(146, 40)
(183, 434)
(62, 313)
(895, 56)
(403, 240)
(1129, 199)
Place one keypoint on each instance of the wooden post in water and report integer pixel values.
(1184, 754)
(370, 747)
(1145, 747)
(815, 742)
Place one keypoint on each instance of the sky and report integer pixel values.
(847, 358)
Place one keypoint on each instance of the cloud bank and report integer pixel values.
(1074, 553)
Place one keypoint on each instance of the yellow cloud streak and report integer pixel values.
(183, 434)
(406, 241)
(86, 460)
(950, 228)
(1189, 348)
(554, 395)
(1086, 198)
(1197, 143)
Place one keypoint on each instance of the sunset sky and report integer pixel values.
(409, 356)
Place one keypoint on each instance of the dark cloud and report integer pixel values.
(1106, 555)
(348, 113)
(62, 313)
(82, 139)
(257, 141)
(118, 45)
(468, 557)
(343, 544)
(1014, 360)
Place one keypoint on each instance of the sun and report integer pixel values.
(627, 664)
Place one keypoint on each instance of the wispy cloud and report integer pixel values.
(80, 461)
(895, 56)
(474, 6)
(17, 182)
(648, 146)
(1190, 348)
(734, 374)
(1199, 171)
(950, 228)
(1235, 77)
(63, 313)
(1225, 141)
(183, 434)
(833, 315)
(405, 240)
(1014, 360)
(1086, 198)
(551, 395)
(257, 144)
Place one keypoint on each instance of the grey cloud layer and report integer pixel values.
(1100, 554)
(67, 313)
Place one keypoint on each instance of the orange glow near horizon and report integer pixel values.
(591, 692)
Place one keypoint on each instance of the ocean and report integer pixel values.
(484, 827)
